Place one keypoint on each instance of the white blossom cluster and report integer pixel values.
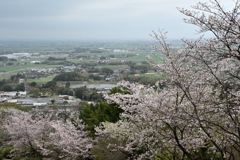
(199, 108)
(45, 137)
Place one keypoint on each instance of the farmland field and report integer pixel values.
(112, 66)
(152, 75)
(12, 69)
(92, 51)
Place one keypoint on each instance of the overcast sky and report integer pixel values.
(93, 19)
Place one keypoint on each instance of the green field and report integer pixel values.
(139, 56)
(140, 50)
(112, 66)
(42, 80)
(5, 76)
(154, 75)
(15, 69)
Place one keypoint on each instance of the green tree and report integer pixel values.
(67, 91)
(115, 90)
(7, 88)
(79, 93)
(102, 57)
(33, 84)
(35, 92)
(88, 96)
(92, 115)
(65, 103)
(20, 87)
(72, 76)
(107, 71)
(3, 58)
(14, 105)
(50, 84)
(15, 78)
(52, 101)
(94, 77)
(2, 82)
(67, 85)
(82, 104)
(45, 91)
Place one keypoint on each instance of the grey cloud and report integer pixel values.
(91, 18)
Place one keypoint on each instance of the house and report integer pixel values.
(13, 94)
(63, 97)
(102, 77)
(33, 74)
(116, 71)
(58, 56)
(35, 62)
(108, 79)
(17, 55)
(117, 51)
(69, 68)
(39, 104)
(21, 81)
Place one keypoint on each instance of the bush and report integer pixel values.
(24, 158)
(71, 76)
(6, 151)
(14, 105)
(102, 151)
(93, 115)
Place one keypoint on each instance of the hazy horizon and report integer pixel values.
(94, 19)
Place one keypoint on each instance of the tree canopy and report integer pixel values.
(92, 115)
(197, 115)
(71, 76)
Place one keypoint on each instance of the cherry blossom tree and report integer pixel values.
(197, 115)
(40, 136)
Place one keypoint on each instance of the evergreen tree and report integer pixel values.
(20, 87)
(92, 115)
